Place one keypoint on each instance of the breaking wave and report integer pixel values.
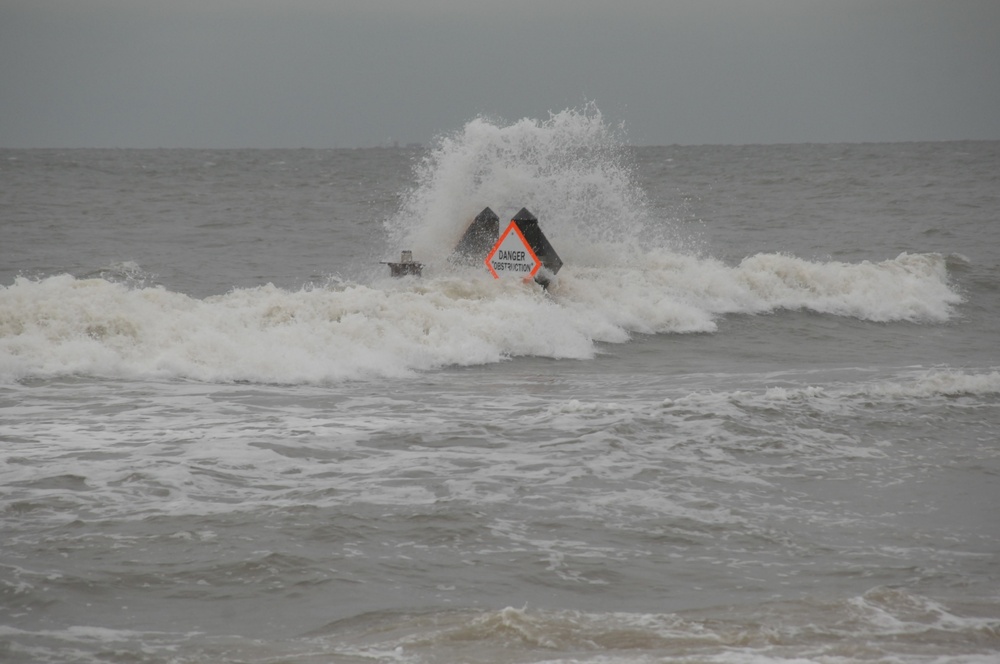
(64, 325)
(625, 273)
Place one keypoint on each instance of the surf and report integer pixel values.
(627, 270)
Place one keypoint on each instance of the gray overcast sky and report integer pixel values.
(350, 73)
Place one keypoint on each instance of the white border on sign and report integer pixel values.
(527, 247)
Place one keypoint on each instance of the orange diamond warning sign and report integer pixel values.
(512, 256)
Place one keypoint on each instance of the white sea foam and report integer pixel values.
(918, 384)
(624, 273)
(846, 631)
(62, 325)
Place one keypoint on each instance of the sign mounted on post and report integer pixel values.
(512, 255)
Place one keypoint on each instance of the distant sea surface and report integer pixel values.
(754, 419)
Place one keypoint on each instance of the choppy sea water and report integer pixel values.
(755, 418)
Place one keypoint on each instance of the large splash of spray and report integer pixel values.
(572, 170)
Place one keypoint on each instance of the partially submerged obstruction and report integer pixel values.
(479, 238)
(521, 250)
(405, 266)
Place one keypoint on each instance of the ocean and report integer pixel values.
(755, 417)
